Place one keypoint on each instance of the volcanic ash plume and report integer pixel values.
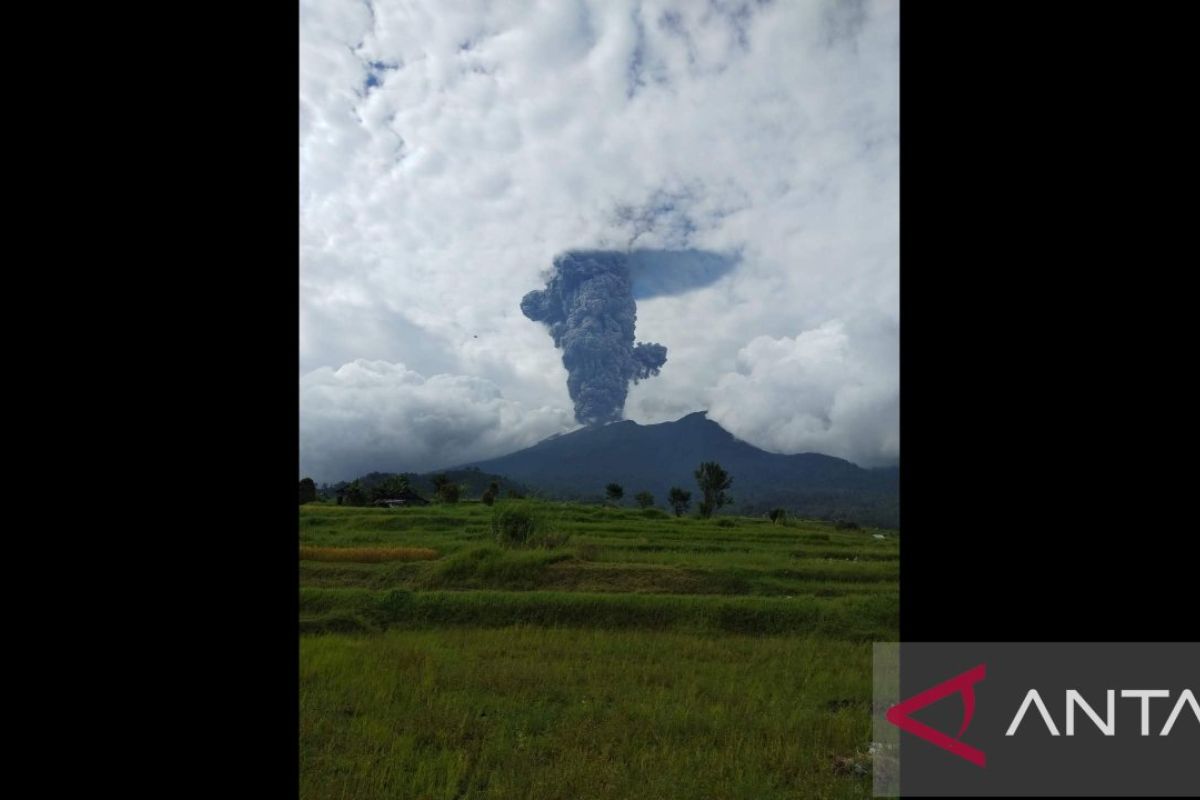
(588, 307)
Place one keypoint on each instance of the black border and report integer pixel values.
(1034, 503)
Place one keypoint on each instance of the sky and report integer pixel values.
(450, 150)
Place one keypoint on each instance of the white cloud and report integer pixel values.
(834, 389)
(377, 416)
(499, 134)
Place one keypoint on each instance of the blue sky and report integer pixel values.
(449, 151)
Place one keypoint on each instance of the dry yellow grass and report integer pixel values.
(367, 554)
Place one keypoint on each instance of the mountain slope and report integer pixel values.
(657, 457)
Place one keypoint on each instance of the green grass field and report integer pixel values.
(645, 657)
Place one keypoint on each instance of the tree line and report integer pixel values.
(711, 479)
(376, 489)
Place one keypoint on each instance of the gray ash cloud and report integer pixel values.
(589, 309)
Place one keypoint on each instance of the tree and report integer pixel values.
(614, 492)
(390, 487)
(777, 515)
(490, 494)
(713, 481)
(445, 491)
(355, 496)
(308, 491)
(679, 500)
(644, 499)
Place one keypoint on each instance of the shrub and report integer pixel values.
(513, 524)
(655, 513)
(845, 525)
(777, 515)
(644, 499)
(726, 523)
(524, 525)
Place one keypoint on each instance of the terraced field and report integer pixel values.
(645, 656)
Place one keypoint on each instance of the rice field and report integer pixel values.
(644, 656)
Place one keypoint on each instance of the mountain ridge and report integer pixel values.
(578, 465)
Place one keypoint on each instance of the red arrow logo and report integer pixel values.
(963, 684)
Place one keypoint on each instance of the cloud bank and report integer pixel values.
(374, 416)
(833, 389)
(449, 151)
